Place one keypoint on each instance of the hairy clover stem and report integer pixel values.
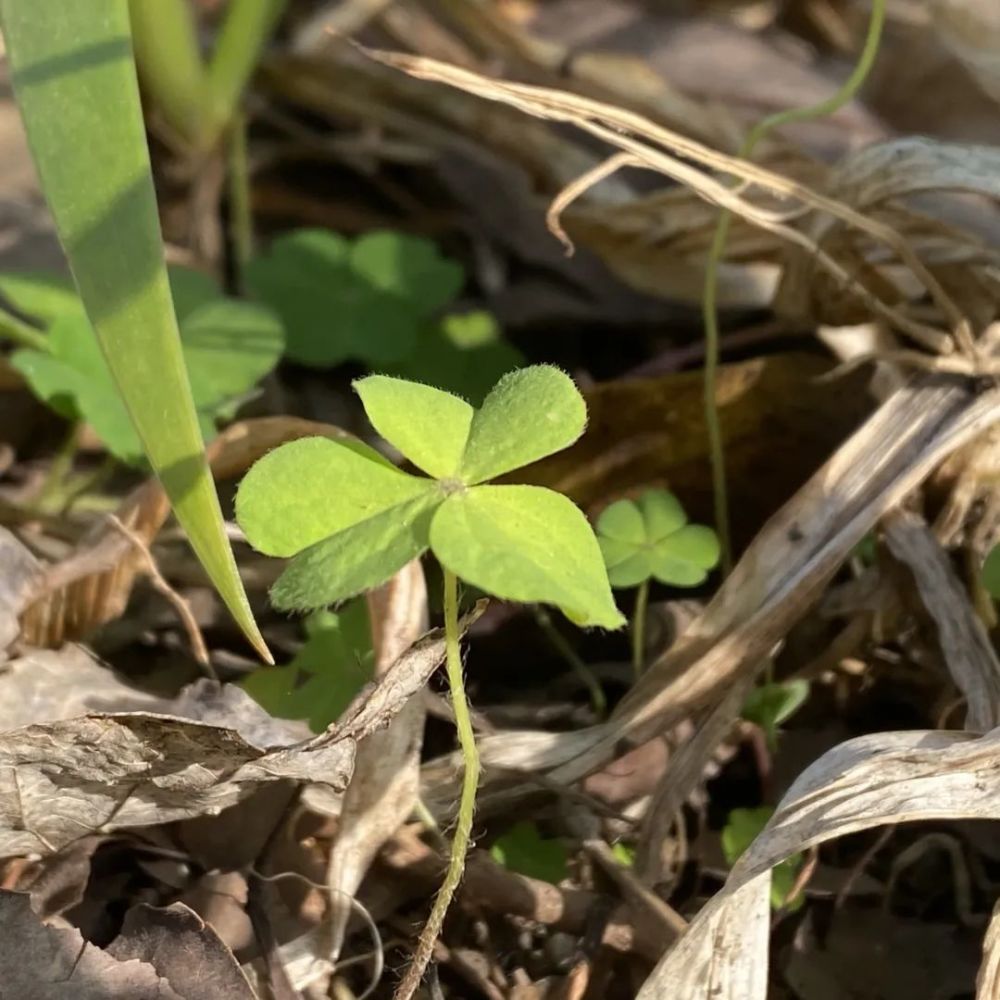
(467, 802)
(717, 251)
(240, 209)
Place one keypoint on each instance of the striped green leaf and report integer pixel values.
(74, 79)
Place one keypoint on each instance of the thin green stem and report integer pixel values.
(467, 802)
(165, 40)
(87, 484)
(49, 498)
(23, 334)
(639, 628)
(247, 27)
(598, 701)
(710, 317)
(240, 211)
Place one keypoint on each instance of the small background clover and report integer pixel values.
(229, 345)
(650, 539)
(380, 300)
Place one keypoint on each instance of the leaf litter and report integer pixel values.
(901, 231)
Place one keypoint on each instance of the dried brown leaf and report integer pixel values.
(386, 781)
(863, 783)
(63, 780)
(971, 30)
(965, 645)
(49, 685)
(38, 962)
(184, 951)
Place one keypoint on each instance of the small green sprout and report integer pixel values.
(332, 666)
(524, 850)
(742, 828)
(990, 573)
(228, 346)
(650, 539)
(349, 519)
(386, 291)
(771, 704)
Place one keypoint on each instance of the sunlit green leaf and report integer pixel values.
(358, 558)
(325, 675)
(228, 346)
(769, 705)
(74, 80)
(529, 544)
(428, 426)
(529, 414)
(742, 828)
(41, 297)
(407, 268)
(991, 571)
(307, 490)
(623, 854)
(524, 850)
(464, 353)
(368, 300)
(354, 519)
(648, 539)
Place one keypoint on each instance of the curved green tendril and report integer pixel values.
(710, 317)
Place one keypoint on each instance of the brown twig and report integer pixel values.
(198, 648)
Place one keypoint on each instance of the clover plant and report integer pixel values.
(774, 702)
(332, 666)
(742, 828)
(379, 300)
(349, 519)
(650, 539)
(228, 346)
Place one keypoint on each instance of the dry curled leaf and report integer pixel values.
(386, 781)
(184, 950)
(651, 431)
(63, 780)
(866, 782)
(38, 962)
(964, 642)
(971, 30)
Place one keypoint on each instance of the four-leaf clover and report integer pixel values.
(351, 519)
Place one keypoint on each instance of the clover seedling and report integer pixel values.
(349, 520)
(650, 539)
(742, 828)
(771, 704)
(377, 300)
(327, 672)
(228, 347)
